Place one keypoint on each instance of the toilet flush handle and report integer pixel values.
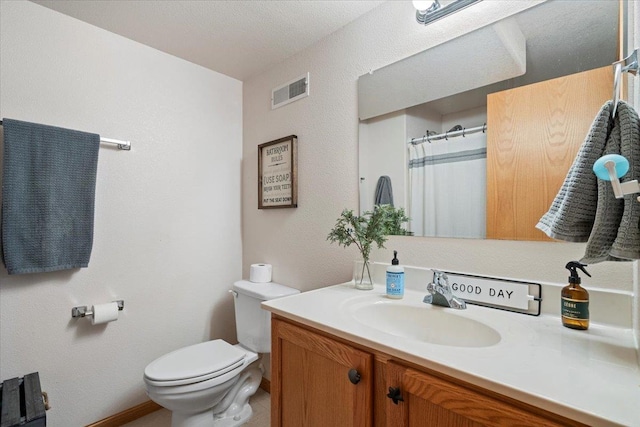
(235, 294)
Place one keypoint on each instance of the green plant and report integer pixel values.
(396, 217)
(366, 229)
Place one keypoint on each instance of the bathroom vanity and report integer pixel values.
(344, 357)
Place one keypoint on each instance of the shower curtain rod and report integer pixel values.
(122, 145)
(447, 135)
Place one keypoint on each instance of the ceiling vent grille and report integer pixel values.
(291, 91)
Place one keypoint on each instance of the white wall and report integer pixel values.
(167, 218)
(383, 150)
(421, 118)
(467, 118)
(326, 122)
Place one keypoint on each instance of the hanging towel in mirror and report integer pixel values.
(627, 242)
(48, 197)
(384, 192)
(586, 209)
(573, 211)
(609, 210)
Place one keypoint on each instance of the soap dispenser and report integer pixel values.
(575, 299)
(395, 278)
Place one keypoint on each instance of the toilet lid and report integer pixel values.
(196, 362)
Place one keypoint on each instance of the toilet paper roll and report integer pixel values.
(260, 273)
(103, 313)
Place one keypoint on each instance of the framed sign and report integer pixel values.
(277, 173)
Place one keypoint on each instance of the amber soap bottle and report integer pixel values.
(575, 299)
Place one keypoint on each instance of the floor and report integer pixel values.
(260, 403)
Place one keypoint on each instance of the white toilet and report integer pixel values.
(209, 384)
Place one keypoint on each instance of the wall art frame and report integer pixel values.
(278, 173)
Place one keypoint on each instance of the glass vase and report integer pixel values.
(362, 276)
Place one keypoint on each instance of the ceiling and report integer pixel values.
(238, 38)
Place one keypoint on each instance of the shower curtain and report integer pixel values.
(448, 183)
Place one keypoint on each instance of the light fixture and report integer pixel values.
(430, 10)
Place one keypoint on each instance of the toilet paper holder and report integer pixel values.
(82, 311)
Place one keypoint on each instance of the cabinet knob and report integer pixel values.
(395, 395)
(354, 376)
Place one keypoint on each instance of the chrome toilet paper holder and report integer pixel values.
(82, 311)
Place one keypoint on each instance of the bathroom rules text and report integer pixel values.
(276, 174)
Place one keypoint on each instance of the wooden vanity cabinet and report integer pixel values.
(317, 381)
(428, 401)
(311, 387)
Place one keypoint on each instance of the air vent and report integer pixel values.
(290, 91)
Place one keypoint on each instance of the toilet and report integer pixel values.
(209, 384)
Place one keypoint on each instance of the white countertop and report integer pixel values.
(590, 376)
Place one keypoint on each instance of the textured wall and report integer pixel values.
(383, 158)
(167, 221)
(326, 122)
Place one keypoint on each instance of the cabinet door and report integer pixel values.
(428, 401)
(310, 382)
(533, 135)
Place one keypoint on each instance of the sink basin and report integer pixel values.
(426, 323)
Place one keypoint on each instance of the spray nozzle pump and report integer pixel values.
(572, 266)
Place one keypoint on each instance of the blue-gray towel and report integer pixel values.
(585, 208)
(384, 192)
(627, 243)
(573, 211)
(48, 197)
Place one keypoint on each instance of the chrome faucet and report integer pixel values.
(440, 293)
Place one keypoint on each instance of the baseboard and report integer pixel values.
(146, 408)
(128, 415)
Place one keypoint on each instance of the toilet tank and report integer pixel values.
(253, 324)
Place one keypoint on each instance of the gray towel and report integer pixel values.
(572, 213)
(627, 243)
(586, 208)
(48, 197)
(609, 210)
(384, 192)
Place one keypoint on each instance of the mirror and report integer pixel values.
(440, 95)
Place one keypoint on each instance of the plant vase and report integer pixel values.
(362, 276)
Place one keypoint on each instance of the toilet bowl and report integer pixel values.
(192, 383)
(209, 384)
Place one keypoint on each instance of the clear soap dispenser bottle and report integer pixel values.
(575, 299)
(395, 278)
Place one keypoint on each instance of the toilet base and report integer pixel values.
(207, 419)
(233, 410)
(236, 420)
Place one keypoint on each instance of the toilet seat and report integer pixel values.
(196, 363)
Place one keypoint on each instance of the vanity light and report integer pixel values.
(426, 5)
(428, 11)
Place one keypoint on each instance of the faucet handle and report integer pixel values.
(431, 286)
(440, 292)
(441, 282)
(435, 285)
(439, 276)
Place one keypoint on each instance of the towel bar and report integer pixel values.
(122, 145)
